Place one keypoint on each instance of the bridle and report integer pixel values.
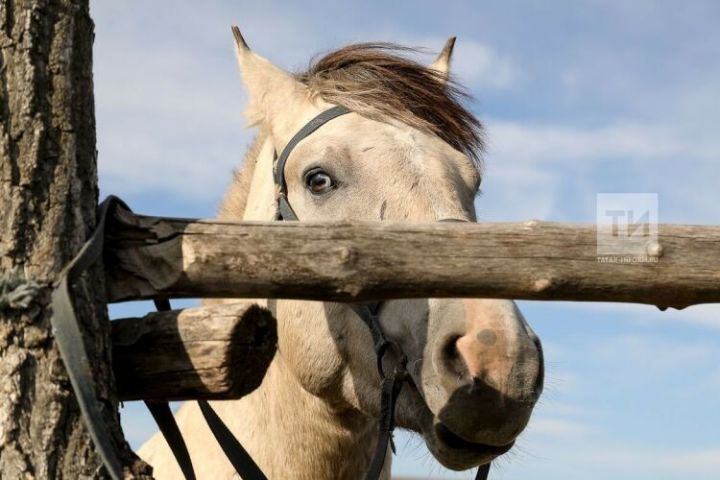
(393, 373)
(392, 380)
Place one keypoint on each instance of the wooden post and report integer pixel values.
(48, 197)
(371, 261)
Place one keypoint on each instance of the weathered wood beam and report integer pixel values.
(213, 352)
(150, 256)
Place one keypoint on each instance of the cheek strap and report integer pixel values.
(284, 211)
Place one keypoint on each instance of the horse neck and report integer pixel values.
(290, 432)
(293, 434)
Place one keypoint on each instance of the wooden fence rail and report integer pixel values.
(149, 257)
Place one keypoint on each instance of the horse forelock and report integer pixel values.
(379, 79)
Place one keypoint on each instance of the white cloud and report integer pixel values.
(681, 462)
(583, 457)
(480, 66)
(656, 356)
(169, 109)
(528, 143)
(532, 168)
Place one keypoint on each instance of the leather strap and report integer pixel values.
(390, 390)
(483, 471)
(166, 422)
(285, 211)
(241, 460)
(309, 128)
(69, 338)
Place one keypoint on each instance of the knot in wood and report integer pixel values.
(542, 284)
(347, 255)
(654, 249)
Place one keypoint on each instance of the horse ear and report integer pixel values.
(442, 62)
(274, 94)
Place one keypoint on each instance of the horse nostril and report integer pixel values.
(450, 355)
(540, 379)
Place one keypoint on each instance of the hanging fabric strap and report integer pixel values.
(69, 337)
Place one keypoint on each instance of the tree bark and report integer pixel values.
(152, 256)
(215, 352)
(48, 197)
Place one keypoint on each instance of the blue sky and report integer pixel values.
(578, 98)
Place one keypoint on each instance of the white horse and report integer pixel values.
(408, 151)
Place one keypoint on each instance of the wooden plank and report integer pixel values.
(149, 256)
(213, 352)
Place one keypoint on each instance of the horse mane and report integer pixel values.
(379, 80)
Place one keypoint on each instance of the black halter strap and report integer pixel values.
(284, 210)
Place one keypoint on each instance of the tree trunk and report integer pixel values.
(48, 197)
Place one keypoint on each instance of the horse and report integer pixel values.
(409, 150)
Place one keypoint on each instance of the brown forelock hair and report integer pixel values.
(378, 79)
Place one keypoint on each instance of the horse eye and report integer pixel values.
(319, 182)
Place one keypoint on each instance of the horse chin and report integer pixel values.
(448, 448)
(456, 453)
